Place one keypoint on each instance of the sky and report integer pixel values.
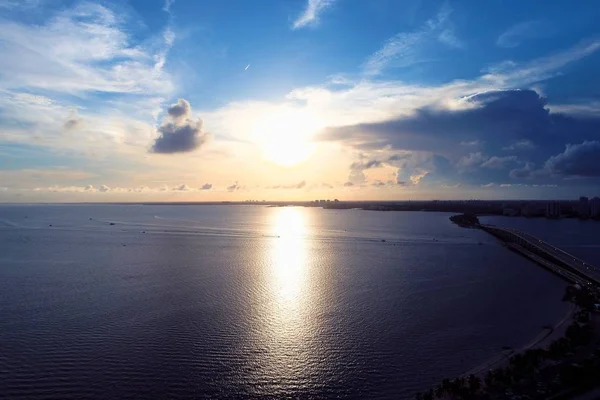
(232, 100)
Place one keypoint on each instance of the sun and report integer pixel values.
(285, 136)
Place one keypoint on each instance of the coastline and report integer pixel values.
(542, 340)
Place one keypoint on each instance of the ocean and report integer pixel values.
(174, 301)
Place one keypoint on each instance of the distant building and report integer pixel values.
(595, 207)
(510, 212)
(553, 209)
(533, 209)
(584, 207)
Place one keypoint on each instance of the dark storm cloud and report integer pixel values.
(179, 133)
(496, 162)
(578, 160)
(181, 109)
(510, 119)
(500, 125)
(525, 172)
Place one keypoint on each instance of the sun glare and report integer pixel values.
(288, 254)
(285, 136)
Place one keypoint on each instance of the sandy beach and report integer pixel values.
(543, 340)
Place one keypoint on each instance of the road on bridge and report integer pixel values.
(584, 268)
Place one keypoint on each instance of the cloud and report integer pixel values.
(496, 162)
(29, 177)
(72, 124)
(182, 188)
(520, 185)
(311, 13)
(472, 143)
(357, 168)
(167, 6)
(471, 160)
(407, 48)
(180, 110)
(365, 101)
(524, 30)
(348, 184)
(90, 189)
(417, 176)
(522, 74)
(449, 186)
(22, 4)
(587, 109)
(234, 187)
(179, 133)
(528, 171)
(299, 185)
(366, 164)
(519, 117)
(578, 160)
(81, 49)
(522, 144)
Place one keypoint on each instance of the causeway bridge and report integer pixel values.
(548, 256)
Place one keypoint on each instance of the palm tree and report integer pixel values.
(439, 391)
(474, 384)
(428, 395)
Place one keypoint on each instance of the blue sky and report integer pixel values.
(298, 99)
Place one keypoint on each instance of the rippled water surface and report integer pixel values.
(119, 301)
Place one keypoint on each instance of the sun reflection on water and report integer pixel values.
(287, 334)
(288, 256)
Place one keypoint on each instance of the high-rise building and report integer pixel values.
(553, 209)
(584, 207)
(595, 207)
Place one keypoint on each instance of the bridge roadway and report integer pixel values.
(548, 255)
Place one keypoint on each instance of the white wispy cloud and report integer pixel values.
(517, 33)
(586, 108)
(167, 6)
(522, 74)
(311, 12)
(83, 49)
(23, 4)
(406, 48)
